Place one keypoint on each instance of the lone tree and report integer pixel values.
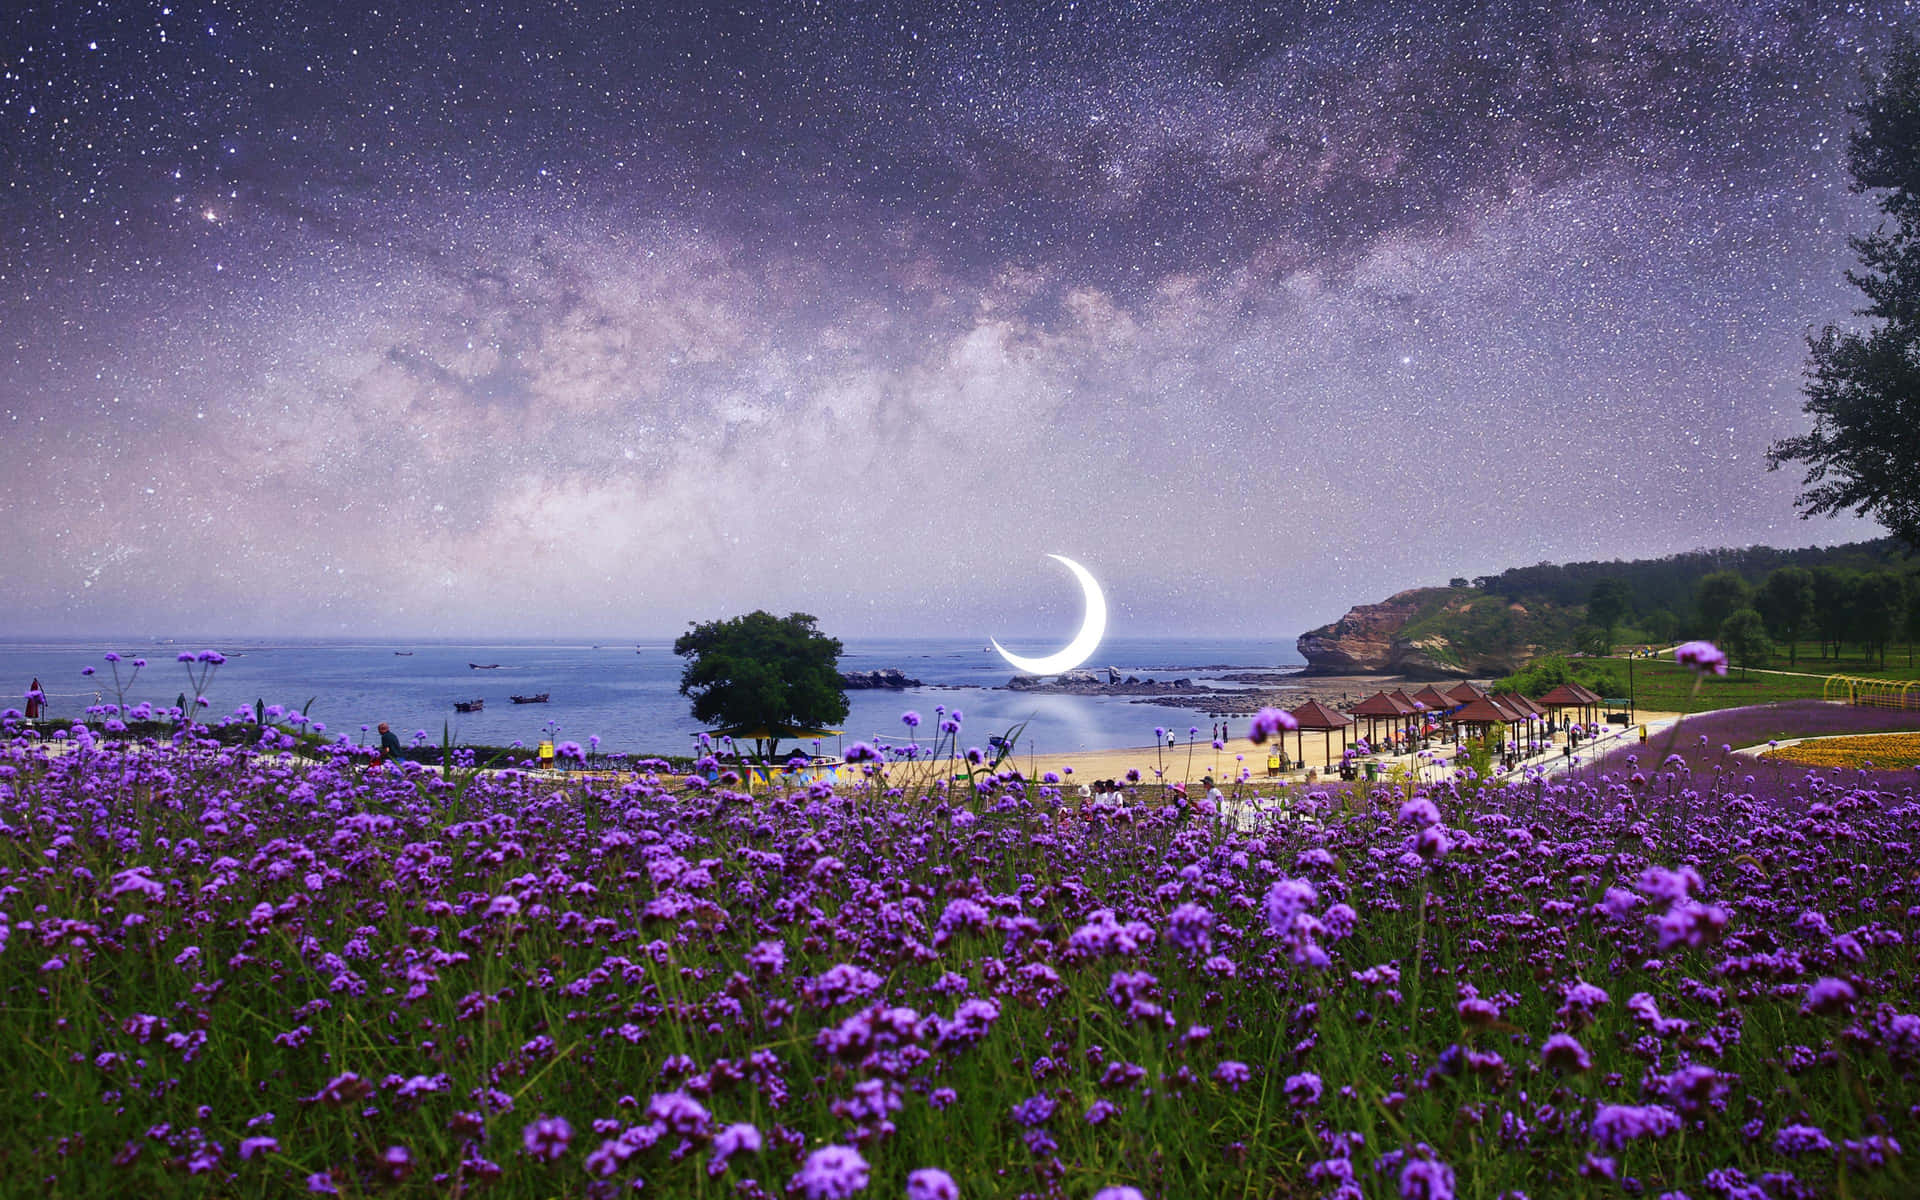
(1863, 387)
(1608, 604)
(1719, 596)
(769, 677)
(1786, 602)
(1744, 638)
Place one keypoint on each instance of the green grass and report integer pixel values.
(1661, 685)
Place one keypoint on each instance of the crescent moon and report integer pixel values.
(1083, 644)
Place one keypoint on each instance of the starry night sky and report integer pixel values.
(580, 319)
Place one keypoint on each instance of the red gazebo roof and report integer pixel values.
(1435, 699)
(1380, 704)
(1317, 717)
(1482, 711)
(1569, 695)
(1463, 692)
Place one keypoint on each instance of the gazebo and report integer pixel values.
(1314, 715)
(1482, 713)
(1382, 707)
(1571, 695)
(1463, 693)
(1525, 710)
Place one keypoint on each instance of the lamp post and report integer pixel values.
(1630, 709)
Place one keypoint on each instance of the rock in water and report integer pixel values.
(889, 678)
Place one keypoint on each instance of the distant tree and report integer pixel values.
(1718, 597)
(1743, 637)
(1785, 601)
(1832, 596)
(1608, 604)
(1879, 611)
(762, 672)
(1457, 582)
(1660, 625)
(1863, 387)
(1913, 614)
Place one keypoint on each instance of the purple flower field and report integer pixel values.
(229, 973)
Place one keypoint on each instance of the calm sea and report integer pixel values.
(626, 694)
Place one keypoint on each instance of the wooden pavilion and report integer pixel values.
(1574, 696)
(1382, 707)
(1314, 716)
(1482, 713)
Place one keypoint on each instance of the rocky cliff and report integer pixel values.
(1434, 633)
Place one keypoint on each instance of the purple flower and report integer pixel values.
(547, 1139)
(910, 719)
(1829, 997)
(1287, 900)
(1617, 1124)
(1232, 1073)
(1426, 1179)
(738, 1138)
(1303, 1090)
(1419, 812)
(1121, 1192)
(258, 1145)
(831, 1173)
(1271, 721)
(1701, 658)
(1564, 1053)
(1795, 1140)
(931, 1183)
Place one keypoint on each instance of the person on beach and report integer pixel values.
(36, 700)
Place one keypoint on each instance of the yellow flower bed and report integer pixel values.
(1886, 751)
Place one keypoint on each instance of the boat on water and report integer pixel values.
(404, 653)
(485, 666)
(536, 698)
(469, 706)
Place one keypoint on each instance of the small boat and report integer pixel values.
(469, 706)
(536, 698)
(404, 653)
(485, 666)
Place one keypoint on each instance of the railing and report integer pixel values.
(1873, 693)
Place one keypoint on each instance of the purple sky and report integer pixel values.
(509, 319)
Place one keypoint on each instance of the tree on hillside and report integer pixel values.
(1608, 604)
(1785, 602)
(1879, 610)
(1743, 637)
(1863, 387)
(1718, 597)
(767, 676)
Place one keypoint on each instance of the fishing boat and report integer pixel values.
(404, 653)
(469, 706)
(536, 698)
(485, 666)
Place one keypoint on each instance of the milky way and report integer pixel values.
(596, 319)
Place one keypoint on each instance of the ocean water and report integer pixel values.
(627, 694)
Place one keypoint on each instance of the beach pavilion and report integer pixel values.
(1438, 704)
(1529, 713)
(1382, 707)
(1463, 693)
(1314, 716)
(1571, 695)
(1482, 713)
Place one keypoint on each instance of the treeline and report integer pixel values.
(1669, 584)
(1754, 602)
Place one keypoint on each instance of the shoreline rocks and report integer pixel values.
(886, 678)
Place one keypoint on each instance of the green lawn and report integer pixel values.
(1661, 685)
(1852, 662)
